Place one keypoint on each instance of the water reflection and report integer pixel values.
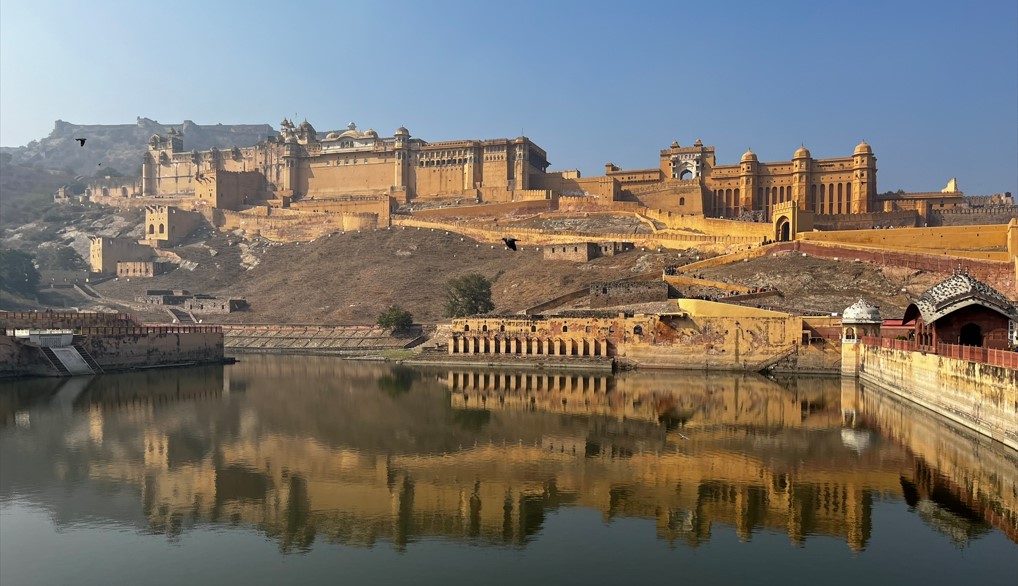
(308, 449)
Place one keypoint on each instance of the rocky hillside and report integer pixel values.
(120, 146)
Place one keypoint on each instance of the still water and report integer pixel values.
(307, 470)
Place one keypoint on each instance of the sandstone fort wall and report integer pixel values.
(979, 396)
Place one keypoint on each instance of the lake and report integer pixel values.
(308, 470)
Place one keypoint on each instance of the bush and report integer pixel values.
(395, 318)
(468, 295)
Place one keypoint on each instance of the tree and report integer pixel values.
(468, 295)
(17, 273)
(62, 258)
(395, 318)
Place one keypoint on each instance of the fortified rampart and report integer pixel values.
(486, 210)
(282, 225)
(988, 242)
(998, 274)
(863, 221)
(541, 237)
(997, 214)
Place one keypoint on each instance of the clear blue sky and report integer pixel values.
(932, 85)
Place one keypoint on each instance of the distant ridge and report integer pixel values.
(120, 146)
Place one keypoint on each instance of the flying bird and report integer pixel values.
(510, 243)
(81, 141)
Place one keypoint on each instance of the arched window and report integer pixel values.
(162, 229)
(151, 228)
(565, 329)
(638, 330)
(501, 328)
(466, 327)
(682, 201)
(484, 328)
(533, 328)
(813, 197)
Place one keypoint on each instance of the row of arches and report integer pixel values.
(831, 198)
(152, 229)
(529, 346)
(480, 382)
(824, 198)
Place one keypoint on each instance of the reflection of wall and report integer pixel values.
(981, 475)
(693, 401)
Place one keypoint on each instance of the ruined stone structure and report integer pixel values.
(607, 294)
(585, 251)
(141, 268)
(212, 304)
(575, 252)
(169, 224)
(104, 253)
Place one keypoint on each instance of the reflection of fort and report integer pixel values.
(384, 453)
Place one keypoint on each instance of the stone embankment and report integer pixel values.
(311, 339)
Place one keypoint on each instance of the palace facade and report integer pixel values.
(302, 165)
(298, 164)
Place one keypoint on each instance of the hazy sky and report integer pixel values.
(931, 85)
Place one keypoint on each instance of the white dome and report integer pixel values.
(861, 312)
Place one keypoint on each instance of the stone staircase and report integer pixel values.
(88, 359)
(180, 315)
(54, 361)
(68, 361)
